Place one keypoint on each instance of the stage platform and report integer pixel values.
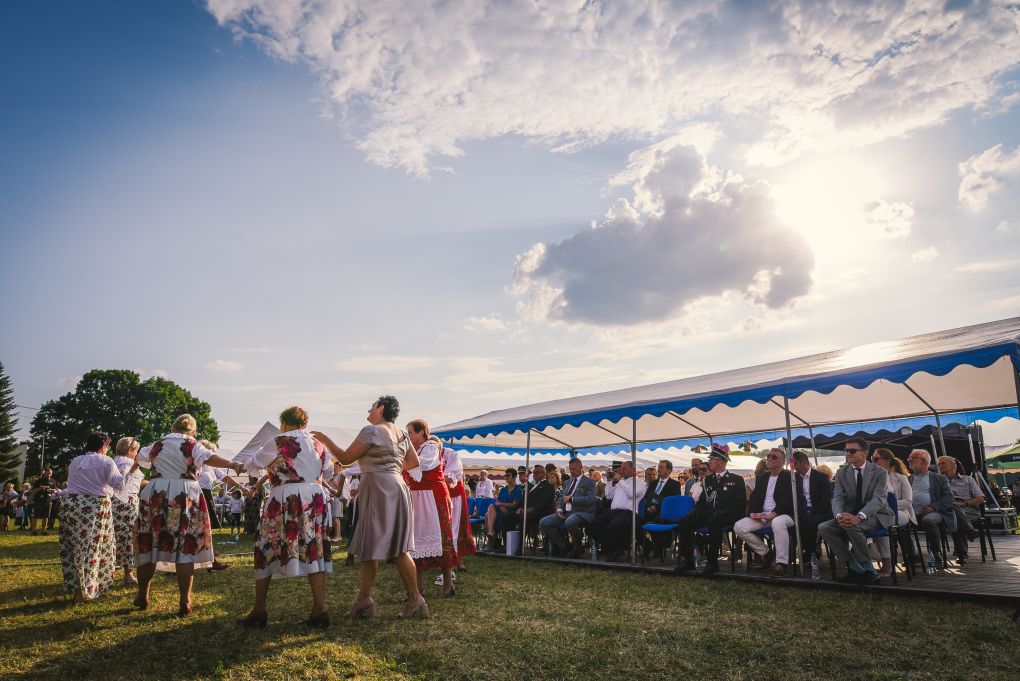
(995, 581)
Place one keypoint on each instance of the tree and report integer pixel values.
(9, 459)
(116, 402)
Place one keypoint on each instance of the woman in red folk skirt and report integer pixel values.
(431, 509)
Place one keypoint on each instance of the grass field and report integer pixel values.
(509, 620)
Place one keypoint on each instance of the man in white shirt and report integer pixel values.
(612, 530)
(484, 488)
(771, 505)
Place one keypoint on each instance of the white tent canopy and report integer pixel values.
(958, 370)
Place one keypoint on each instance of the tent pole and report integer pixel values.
(938, 421)
(814, 450)
(793, 484)
(527, 468)
(633, 493)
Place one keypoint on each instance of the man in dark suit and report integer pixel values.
(540, 501)
(722, 503)
(814, 498)
(664, 486)
(859, 505)
(771, 505)
(695, 472)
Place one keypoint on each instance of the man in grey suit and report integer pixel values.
(575, 508)
(859, 504)
(695, 473)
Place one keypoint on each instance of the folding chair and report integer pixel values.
(985, 535)
(673, 510)
(481, 508)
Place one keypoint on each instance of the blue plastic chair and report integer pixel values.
(892, 532)
(471, 507)
(673, 510)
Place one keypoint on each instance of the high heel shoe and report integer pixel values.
(184, 610)
(449, 594)
(320, 621)
(421, 611)
(366, 609)
(141, 602)
(254, 619)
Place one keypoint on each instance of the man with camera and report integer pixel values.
(612, 530)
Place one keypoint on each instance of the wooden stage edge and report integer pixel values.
(937, 587)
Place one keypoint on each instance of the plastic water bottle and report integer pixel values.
(594, 551)
(931, 562)
(816, 574)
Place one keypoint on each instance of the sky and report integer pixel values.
(475, 205)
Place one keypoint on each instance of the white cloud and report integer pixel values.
(384, 364)
(68, 384)
(413, 81)
(924, 255)
(224, 366)
(890, 220)
(988, 266)
(692, 233)
(983, 174)
(1005, 227)
(485, 323)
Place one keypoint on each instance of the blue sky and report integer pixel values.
(479, 205)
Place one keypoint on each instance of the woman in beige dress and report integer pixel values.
(385, 528)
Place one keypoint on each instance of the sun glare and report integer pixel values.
(827, 199)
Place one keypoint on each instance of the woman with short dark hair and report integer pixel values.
(292, 539)
(384, 529)
(87, 544)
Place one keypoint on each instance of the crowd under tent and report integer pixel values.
(970, 370)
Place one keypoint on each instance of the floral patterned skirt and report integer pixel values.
(125, 521)
(173, 525)
(87, 545)
(293, 535)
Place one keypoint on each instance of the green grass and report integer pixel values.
(510, 620)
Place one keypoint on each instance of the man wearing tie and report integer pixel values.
(575, 509)
(859, 505)
(664, 486)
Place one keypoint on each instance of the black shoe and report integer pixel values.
(870, 579)
(711, 568)
(852, 577)
(684, 565)
(575, 553)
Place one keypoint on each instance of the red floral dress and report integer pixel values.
(173, 518)
(292, 539)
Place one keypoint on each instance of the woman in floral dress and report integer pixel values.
(174, 533)
(125, 508)
(87, 544)
(293, 537)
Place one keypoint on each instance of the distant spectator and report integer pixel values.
(41, 490)
(600, 484)
(8, 505)
(484, 487)
(694, 473)
(502, 515)
(967, 501)
(826, 471)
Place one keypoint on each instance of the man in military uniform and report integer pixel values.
(721, 504)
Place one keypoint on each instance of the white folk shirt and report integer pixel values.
(484, 490)
(428, 459)
(97, 475)
(452, 468)
(124, 494)
(770, 495)
(624, 495)
(209, 476)
(806, 483)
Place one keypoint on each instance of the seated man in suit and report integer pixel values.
(815, 503)
(664, 486)
(967, 500)
(771, 505)
(933, 501)
(612, 529)
(859, 505)
(695, 473)
(722, 502)
(539, 501)
(575, 509)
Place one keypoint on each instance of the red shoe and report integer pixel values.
(184, 610)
